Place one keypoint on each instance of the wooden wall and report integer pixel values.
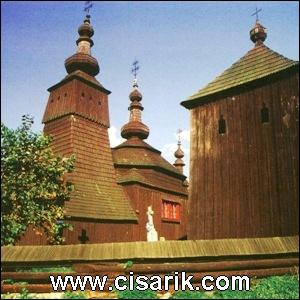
(86, 136)
(245, 183)
(110, 231)
(142, 197)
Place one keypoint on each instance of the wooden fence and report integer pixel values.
(252, 257)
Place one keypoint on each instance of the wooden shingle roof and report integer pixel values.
(153, 180)
(96, 193)
(137, 153)
(100, 200)
(258, 63)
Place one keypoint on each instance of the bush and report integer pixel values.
(274, 287)
(74, 295)
(33, 185)
(277, 287)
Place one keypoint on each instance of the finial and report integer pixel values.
(135, 126)
(82, 60)
(258, 33)
(87, 6)
(256, 13)
(179, 154)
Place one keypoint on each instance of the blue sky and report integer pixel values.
(181, 47)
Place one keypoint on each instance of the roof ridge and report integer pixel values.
(257, 63)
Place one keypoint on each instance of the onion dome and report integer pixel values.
(82, 60)
(135, 127)
(258, 33)
(179, 154)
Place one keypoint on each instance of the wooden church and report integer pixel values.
(244, 164)
(113, 187)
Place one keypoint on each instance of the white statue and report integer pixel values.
(152, 235)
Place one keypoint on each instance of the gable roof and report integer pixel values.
(137, 153)
(258, 63)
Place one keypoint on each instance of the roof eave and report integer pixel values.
(154, 167)
(137, 181)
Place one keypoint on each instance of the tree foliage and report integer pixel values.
(33, 189)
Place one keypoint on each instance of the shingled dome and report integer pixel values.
(135, 152)
(83, 60)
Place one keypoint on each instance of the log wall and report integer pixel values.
(244, 183)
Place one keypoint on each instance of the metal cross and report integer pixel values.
(179, 135)
(135, 68)
(87, 6)
(256, 13)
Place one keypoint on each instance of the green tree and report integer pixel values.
(33, 185)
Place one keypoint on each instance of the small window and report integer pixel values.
(264, 114)
(170, 210)
(222, 125)
(83, 238)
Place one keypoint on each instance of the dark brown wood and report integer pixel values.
(188, 267)
(245, 183)
(114, 270)
(100, 210)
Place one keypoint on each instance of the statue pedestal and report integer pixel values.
(152, 235)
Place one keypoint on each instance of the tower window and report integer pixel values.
(82, 94)
(264, 114)
(222, 125)
(99, 102)
(170, 210)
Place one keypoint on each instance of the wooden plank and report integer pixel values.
(190, 267)
(154, 250)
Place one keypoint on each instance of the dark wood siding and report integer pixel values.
(110, 231)
(141, 198)
(245, 183)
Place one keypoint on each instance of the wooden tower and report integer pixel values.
(149, 179)
(244, 148)
(113, 187)
(77, 118)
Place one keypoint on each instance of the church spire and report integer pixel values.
(179, 154)
(258, 33)
(82, 60)
(135, 126)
